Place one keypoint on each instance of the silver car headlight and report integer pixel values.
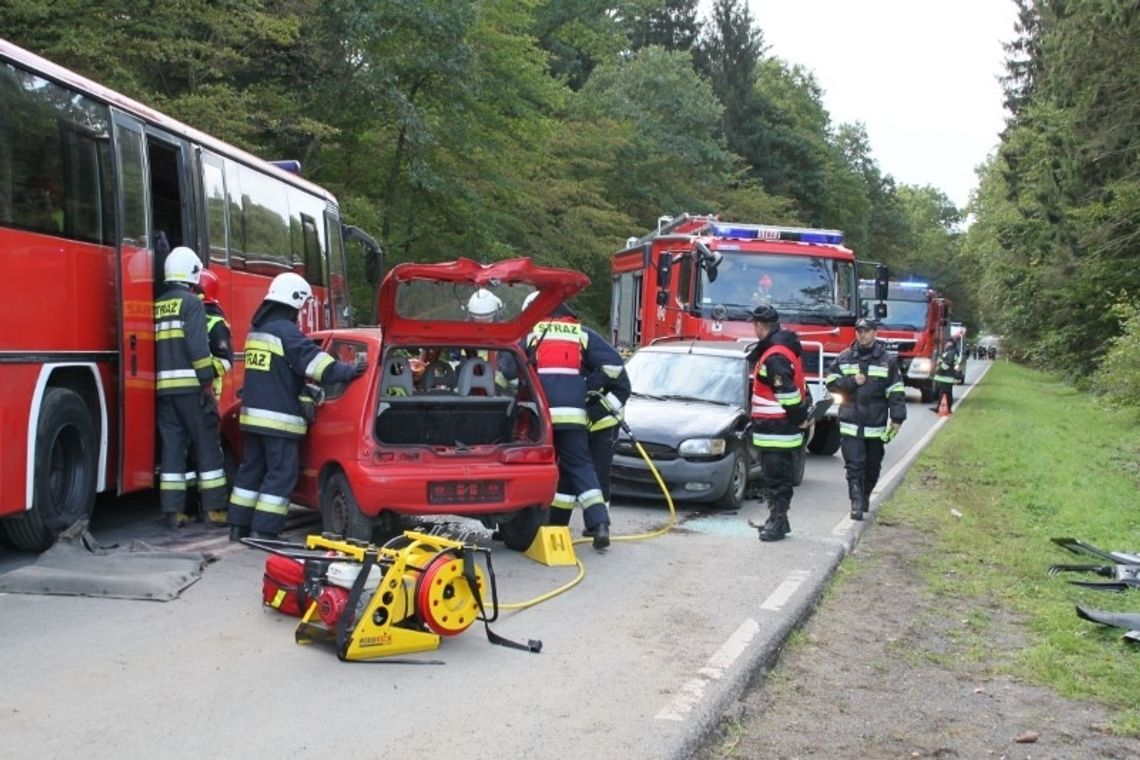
(702, 447)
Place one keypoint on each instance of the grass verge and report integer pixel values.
(1028, 458)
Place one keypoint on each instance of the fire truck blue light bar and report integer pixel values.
(770, 232)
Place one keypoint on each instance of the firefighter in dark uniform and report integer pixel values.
(222, 358)
(565, 355)
(187, 412)
(946, 375)
(867, 376)
(607, 390)
(279, 359)
(780, 403)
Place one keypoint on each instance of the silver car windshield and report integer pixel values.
(695, 377)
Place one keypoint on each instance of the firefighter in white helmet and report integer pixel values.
(279, 361)
(187, 411)
(484, 306)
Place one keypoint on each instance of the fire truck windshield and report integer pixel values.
(904, 315)
(805, 289)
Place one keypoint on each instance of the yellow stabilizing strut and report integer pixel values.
(424, 593)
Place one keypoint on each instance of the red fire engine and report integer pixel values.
(698, 277)
(94, 189)
(916, 326)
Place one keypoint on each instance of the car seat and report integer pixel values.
(476, 378)
(397, 380)
(439, 376)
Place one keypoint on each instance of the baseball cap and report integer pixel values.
(866, 323)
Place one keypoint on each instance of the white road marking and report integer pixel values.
(722, 659)
(784, 591)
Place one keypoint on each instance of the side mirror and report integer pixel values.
(664, 271)
(880, 310)
(882, 279)
(709, 260)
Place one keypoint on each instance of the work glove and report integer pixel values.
(892, 431)
(312, 396)
(358, 369)
(611, 402)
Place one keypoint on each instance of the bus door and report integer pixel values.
(136, 300)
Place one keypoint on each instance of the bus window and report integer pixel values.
(54, 148)
(217, 221)
(265, 213)
(311, 249)
(235, 216)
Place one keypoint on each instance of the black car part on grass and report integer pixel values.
(1129, 621)
(1123, 567)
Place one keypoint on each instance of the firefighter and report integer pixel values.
(946, 374)
(187, 411)
(607, 391)
(565, 353)
(867, 376)
(279, 359)
(484, 306)
(217, 329)
(221, 356)
(780, 404)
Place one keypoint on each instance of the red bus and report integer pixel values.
(95, 188)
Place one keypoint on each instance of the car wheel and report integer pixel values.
(519, 531)
(825, 440)
(64, 473)
(733, 496)
(340, 514)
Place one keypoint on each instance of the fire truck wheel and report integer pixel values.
(518, 532)
(733, 495)
(64, 475)
(340, 513)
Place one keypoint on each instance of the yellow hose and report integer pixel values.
(635, 537)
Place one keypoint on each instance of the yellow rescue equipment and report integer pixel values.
(400, 598)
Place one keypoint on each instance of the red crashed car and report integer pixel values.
(450, 418)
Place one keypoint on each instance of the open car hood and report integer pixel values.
(427, 303)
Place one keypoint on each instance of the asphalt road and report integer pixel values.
(638, 659)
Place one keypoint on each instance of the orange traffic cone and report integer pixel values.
(943, 408)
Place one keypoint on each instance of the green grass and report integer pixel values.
(1025, 459)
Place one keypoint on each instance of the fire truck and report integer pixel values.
(95, 190)
(696, 276)
(914, 323)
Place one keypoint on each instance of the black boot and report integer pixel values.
(777, 526)
(238, 532)
(601, 535)
(855, 491)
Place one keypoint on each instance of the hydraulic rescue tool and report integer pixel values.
(402, 597)
(1123, 567)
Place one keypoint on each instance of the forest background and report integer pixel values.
(557, 129)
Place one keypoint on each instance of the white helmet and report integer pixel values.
(529, 300)
(290, 289)
(483, 305)
(182, 265)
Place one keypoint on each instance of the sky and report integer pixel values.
(922, 75)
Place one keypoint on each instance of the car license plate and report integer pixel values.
(465, 491)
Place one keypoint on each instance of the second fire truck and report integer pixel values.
(698, 277)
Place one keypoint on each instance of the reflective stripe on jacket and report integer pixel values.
(182, 350)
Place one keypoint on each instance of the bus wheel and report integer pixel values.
(64, 472)
(340, 514)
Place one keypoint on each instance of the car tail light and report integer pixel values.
(387, 457)
(528, 455)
